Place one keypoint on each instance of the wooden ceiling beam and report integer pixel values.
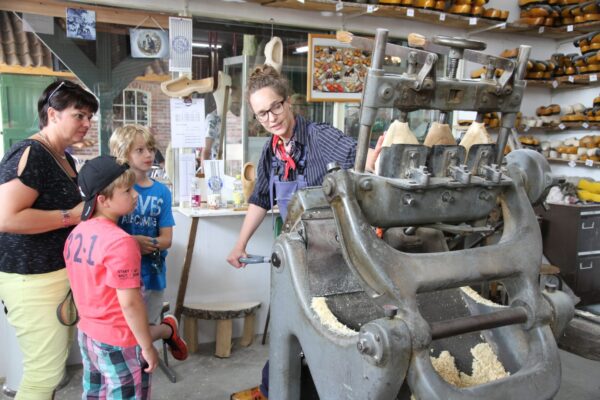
(111, 15)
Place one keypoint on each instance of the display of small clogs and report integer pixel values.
(589, 43)
(474, 8)
(573, 149)
(558, 12)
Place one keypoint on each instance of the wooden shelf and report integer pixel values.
(580, 81)
(555, 32)
(568, 126)
(435, 16)
(388, 11)
(580, 163)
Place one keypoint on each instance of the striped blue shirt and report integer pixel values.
(322, 143)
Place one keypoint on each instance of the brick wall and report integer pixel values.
(160, 120)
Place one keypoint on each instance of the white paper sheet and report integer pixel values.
(187, 172)
(188, 126)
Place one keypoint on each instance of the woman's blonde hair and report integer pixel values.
(121, 141)
(266, 76)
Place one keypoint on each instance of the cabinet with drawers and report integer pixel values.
(571, 236)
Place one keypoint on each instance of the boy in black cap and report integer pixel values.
(103, 264)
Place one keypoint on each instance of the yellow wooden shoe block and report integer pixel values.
(439, 134)
(476, 134)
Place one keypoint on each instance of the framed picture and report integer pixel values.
(81, 24)
(336, 71)
(149, 43)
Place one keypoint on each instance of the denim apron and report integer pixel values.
(282, 191)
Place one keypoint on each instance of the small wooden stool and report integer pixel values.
(223, 313)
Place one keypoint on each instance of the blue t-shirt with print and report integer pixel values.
(153, 211)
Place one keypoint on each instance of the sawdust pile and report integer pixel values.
(477, 297)
(486, 367)
(327, 318)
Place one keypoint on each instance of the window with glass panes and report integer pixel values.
(132, 106)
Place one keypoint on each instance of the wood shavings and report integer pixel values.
(319, 306)
(475, 296)
(486, 367)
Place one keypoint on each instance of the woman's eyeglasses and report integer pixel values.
(276, 109)
(66, 84)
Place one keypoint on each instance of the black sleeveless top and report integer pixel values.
(42, 252)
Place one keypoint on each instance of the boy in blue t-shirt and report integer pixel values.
(151, 223)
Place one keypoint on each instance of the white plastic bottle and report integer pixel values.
(195, 197)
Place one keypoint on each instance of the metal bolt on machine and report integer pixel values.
(401, 306)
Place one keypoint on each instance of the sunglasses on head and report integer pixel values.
(65, 84)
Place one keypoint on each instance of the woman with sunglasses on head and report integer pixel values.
(40, 204)
(295, 157)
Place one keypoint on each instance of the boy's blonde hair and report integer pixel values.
(126, 179)
(121, 141)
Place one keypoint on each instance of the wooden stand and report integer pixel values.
(223, 313)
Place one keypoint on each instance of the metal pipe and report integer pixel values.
(453, 327)
(522, 59)
(368, 113)
(508, 122)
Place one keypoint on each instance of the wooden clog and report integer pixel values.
(510, 53)
(424, 3)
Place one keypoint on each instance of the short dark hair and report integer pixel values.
(63, 94)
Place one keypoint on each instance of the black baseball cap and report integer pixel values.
(95, 175)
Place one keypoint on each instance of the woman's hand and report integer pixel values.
(372, 155)
(75, 213)
(234, 257)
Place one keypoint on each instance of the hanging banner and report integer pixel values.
(149, 43)
(81, 24)
(180, 38)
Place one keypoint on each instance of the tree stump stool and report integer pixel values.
(223, 313)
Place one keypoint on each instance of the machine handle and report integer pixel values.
(254, 259)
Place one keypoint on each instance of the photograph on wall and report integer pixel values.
(81, 24)
(336, 71)
(149, 43)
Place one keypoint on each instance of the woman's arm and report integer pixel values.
(253, 219)
(17, 216)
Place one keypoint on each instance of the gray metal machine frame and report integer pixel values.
(329, 249)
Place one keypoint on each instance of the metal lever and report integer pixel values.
(254, 259)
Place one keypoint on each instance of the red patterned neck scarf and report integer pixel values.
(281, 153)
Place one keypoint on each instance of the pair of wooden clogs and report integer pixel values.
(559, 12)
(552, 109)
(490, 120)
(589, 43)
(439, 5)
(581, 12)
(474, 8)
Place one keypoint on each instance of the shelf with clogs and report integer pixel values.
(580, 81)
(470, 23)
(575, 163)
(389, 11)
(562, 127)
(554, 32)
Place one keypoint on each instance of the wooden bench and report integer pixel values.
(223, 313)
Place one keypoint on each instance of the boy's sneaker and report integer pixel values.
(249, 394)
(176, 344)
